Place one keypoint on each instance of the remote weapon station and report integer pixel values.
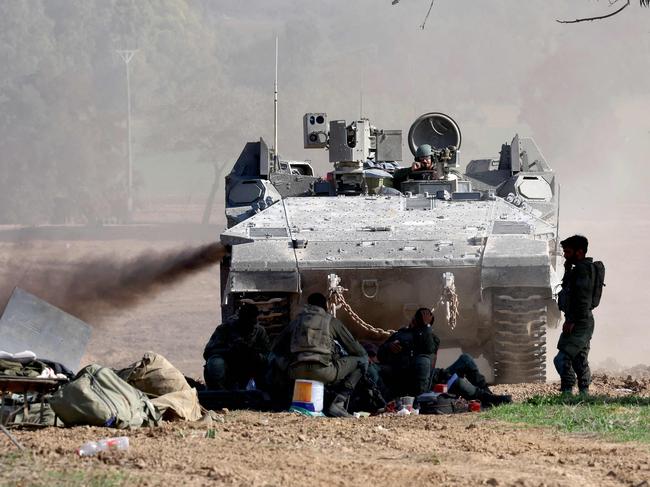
(479, 246)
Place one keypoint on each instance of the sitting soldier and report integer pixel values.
(237, 352)
(317, 346)
(411, 353)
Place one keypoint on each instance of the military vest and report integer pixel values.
(311, 339)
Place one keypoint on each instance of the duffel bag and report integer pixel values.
(98, 397)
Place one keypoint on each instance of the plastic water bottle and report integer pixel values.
(94, 447)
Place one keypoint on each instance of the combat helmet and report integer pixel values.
(423, 150)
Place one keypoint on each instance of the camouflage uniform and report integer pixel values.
(232, 359)
(408, 372)
(576, 302)
(340, 369)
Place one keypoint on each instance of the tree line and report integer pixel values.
(63, 99)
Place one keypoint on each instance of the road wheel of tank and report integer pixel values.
(520, 319)
(273, 308)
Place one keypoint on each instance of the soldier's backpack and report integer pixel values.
(154, 375)
(599, 283)
(98, 397)
(598, 269)
(311, 338)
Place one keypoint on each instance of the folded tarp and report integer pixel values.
(179, 405)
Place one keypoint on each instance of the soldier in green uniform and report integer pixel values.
(317, 346)
(575, 300)
(236, 352)
(408, 361)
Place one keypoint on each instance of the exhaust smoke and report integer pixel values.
(101, 284)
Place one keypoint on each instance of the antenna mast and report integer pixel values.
(276, 159)
(360, 104)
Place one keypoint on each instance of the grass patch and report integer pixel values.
(83, 478)
(17, 470)
(616, 418)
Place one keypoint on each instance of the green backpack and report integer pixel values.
(98, 397)
(311, 339)
(599, 283)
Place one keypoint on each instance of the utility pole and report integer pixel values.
(127, 55)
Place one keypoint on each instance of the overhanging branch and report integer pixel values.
(424, 22)
(601, 17)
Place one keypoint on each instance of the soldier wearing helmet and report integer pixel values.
(423, 160)
(424, 166)
(427, 166)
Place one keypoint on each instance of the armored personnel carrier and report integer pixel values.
(477, 246)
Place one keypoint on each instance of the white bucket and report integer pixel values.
(308, 394)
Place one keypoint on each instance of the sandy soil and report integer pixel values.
(285, 449)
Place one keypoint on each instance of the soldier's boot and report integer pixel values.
(484, 386)
(566, 390)
(337, 409)
(583, 391)
(566, 394)
(488, 399)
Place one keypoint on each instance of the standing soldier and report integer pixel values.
(576, 300)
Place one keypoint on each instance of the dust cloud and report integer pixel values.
(498, 68)
(108, 283)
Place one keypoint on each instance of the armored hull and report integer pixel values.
(483, 262)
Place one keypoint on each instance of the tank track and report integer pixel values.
(520, 319)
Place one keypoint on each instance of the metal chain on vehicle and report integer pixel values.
(449, 299)
(336, 300)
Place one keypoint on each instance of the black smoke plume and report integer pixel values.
(100, 284)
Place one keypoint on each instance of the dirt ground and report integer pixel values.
(286, 449)
(259, 449)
